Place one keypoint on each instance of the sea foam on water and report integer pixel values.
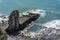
(53, 24)
(3, 18)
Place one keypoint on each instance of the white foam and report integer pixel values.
(53, 24)
(41, 12)
(2, 18)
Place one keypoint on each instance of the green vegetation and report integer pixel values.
(2, 34)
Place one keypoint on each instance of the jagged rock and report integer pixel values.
(13, 22)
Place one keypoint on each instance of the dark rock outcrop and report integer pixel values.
(13, 22)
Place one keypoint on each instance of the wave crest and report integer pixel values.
(53, 24)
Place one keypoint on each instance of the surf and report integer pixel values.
(53, 24)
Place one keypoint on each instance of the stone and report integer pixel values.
(13, 22)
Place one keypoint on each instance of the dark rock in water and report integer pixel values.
(17, 23)
(13, 22)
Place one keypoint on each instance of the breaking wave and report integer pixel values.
(43, 14)
(3, 17)
(53, 24)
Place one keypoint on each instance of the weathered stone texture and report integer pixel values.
(13, 21)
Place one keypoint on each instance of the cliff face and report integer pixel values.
(13, 22)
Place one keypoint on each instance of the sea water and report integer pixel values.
(52, 8)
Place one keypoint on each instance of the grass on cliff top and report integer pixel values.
(2, 34)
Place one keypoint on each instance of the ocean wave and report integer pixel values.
(3, 18)
(43, 14)
(53, 24)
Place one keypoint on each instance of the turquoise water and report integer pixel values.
(6, 6)
(52, 8)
